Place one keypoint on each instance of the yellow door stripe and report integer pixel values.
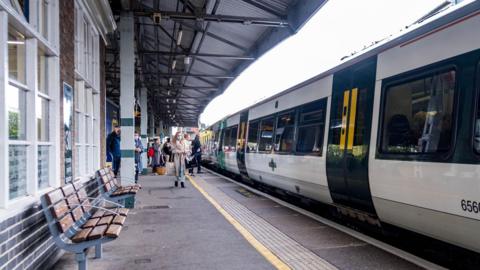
(343, 131)
(272, 258)
(353, 114)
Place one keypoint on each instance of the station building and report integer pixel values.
(52, 113)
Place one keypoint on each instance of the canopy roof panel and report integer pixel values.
(189, 51)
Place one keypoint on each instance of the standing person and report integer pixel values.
(150, 154)
(197, 153)
(188, 157)
(138, 155)
(113, 149)
(179, 153)
(157, 160)
(167, 150)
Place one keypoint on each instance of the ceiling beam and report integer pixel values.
(160, 74)
(180, 16)
(206, 55)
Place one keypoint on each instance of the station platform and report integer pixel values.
(216, 224)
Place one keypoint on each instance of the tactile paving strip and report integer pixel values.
(285, 248)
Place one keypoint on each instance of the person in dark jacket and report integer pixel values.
(197, 152)
(138, 157)
(113, 148)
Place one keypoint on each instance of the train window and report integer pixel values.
(284, 132)
(226, 139)
(266, 134)
(476, 136)
(311, 127)
(252, 136)
(233, 138)
(418, 115)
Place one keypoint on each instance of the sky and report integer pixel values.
(339, 28)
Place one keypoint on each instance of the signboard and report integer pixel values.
(67, 129)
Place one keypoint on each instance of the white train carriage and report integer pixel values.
(392, 134)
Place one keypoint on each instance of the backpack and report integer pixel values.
(151, 152)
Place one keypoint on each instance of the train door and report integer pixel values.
(242, 145)
(349, 136)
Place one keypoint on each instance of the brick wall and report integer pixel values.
(25, 241)
(67, 69)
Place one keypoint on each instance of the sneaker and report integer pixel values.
(176, 183)
(183, 185)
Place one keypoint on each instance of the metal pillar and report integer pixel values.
(143, 127)
(127, 97)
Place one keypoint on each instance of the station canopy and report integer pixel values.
(189, 51)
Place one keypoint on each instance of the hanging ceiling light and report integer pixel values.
(179, 37)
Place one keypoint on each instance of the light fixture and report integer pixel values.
(174, 101)
(168, 93)
(174, 64)
(170, 81)
(179, 37)
(16, 42)
(187, 60)
(168, 101)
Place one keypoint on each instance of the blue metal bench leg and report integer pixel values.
(98, 251)
(82, 260)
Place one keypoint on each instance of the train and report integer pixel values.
(391, 135)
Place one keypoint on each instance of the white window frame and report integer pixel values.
(9, 17)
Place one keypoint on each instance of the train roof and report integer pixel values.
(433, 21)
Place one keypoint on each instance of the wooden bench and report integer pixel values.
(78, 222)
(112, 190)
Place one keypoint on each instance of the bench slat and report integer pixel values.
(105, 221)
(119, 220)
(82, 235)
(65, 223)
(98, 214)
(97, 232)
(68, 189)
(91, 223)
(114, 231)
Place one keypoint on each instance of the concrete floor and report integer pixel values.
(174, 228)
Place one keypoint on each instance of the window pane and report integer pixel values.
(287, 119)
(77, 161)
(266, 134)
(42, 71)
(233, 138)
(284, 139)
(16, 113)
(43, 17)
(310, 139)
(252, 136)
(42, 119)
(313, 112)
(17, 171)
(418, 115)
(77, 127)
(43, 162)
(16, 56)
(87, 130)
(226, 138)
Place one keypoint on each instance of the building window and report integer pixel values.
(17, 171)
(16, 108)
(16, 56)
(43, 17)
(418, 115)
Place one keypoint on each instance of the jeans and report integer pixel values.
(116, 165)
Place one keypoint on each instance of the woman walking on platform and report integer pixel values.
(179, 150)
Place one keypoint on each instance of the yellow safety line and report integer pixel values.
(272, 258)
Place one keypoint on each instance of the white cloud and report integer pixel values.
(338, 29)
